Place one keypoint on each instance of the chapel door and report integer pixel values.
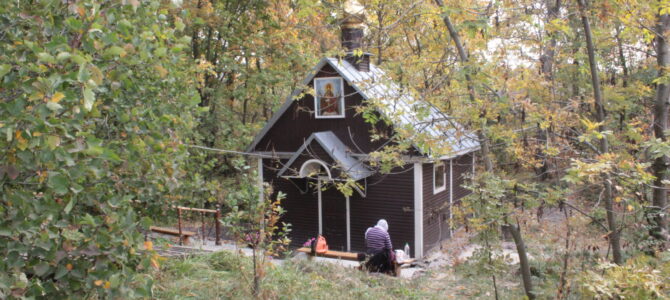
(334, 218)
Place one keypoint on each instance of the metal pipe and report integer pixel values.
(217, 225)
(202, 218)
(181, 242)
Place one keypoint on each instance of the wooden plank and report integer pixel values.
(213, 211)
(171, 231)
(332, 254)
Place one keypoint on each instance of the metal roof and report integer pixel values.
(419, 117)
(348, 164)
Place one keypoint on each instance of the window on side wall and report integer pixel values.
(329, 98)
(439, 177)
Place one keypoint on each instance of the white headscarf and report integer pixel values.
(382, 224)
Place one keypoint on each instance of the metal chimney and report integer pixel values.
(352, 40)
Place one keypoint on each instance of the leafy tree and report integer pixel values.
(97, 100)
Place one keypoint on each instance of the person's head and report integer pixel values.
(383, 224)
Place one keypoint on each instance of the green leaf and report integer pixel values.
(179, 24)
(62, 270)
(53, 106)
(46, 57)
(53, 141)
(4, 69)
(115, 51)
(6, 232)
(69, 206)
(78, 59)
(41, 269)
(89, 99)
(160, 52)
(59, 183)
(63, 56)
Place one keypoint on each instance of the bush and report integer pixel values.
(642, 277)
(95, 106)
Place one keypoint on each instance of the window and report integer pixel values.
(329, 98)
(439, 177)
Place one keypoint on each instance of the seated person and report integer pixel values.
(379, 248)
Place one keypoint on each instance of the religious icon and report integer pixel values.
(329, 97)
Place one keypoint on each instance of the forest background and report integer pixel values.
(102, 102)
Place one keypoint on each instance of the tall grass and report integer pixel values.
(225, 275)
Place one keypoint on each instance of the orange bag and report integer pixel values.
(321, 245)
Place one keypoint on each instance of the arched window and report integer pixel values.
(315, 168)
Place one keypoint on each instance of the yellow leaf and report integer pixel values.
(98, 282)
(154, 263)
(149, 245)
(57, 97)
(161, 71)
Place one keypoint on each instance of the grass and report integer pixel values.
(227, 275)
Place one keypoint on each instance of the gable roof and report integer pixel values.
(399, 106)
(337, 151)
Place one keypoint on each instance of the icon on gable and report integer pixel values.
(329, 100)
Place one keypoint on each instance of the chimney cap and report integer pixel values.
(354, 14)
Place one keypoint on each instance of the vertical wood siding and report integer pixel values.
(313, 151)
(301, 209)
(389, 197)
(462, 167)
(435, 210)
(298, 122)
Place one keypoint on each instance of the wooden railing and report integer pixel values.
(202, 211)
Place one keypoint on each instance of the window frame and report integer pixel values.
(341, 100)
(439, 189)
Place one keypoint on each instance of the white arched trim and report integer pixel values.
(304, 169)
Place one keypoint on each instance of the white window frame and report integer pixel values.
(438, 189)
(316, 100)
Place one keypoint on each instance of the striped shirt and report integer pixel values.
(377, 240)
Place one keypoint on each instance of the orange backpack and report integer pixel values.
(321, 245)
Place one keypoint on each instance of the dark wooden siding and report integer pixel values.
(313, 151)
(435, 210)
(301, 208)
(389, 197)
(298, 122)
(462, 166)
(334, 218)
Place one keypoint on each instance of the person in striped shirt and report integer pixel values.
(377, 238)
(381, 257)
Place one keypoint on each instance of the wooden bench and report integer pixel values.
(185, 235)
(332, 254)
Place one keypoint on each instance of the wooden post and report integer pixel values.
(202, 218)
(181, 242)
(217, 225)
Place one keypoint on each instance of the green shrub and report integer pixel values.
(95, 106)
(642, 277)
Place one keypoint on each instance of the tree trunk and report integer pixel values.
(515, 231)
(660, 165)
(548, 53)
(622, 57)
(613, 237)
(485, 151)
(547, 69)
(463, 57)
